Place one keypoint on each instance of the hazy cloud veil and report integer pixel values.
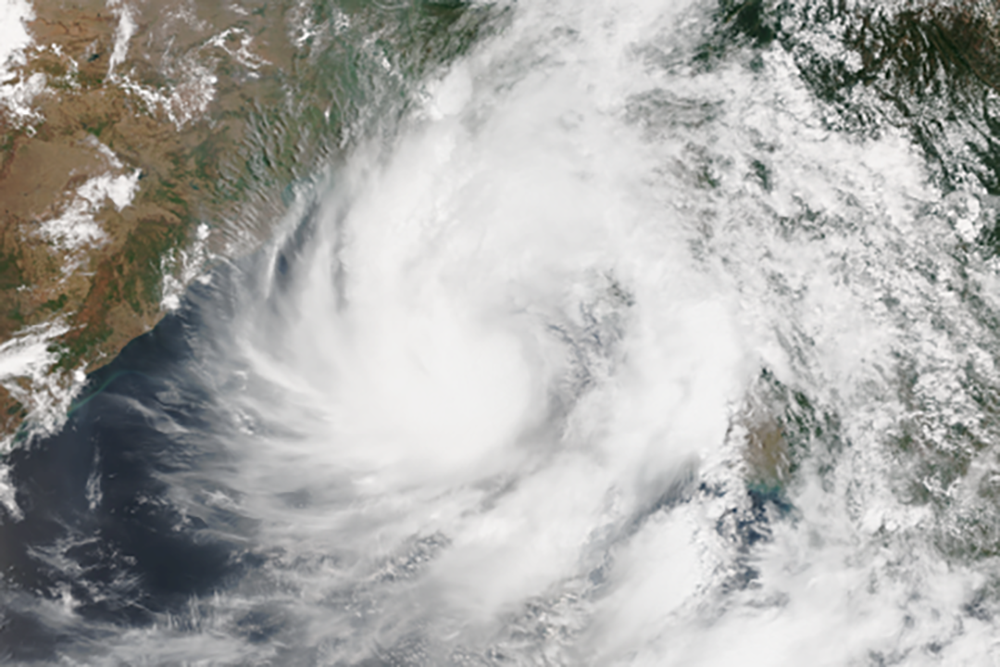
(602, 355)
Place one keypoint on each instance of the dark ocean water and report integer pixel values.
(633, 334)
(97, 518)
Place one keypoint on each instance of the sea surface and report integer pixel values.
(617, 338)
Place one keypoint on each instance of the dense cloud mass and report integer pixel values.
(638, 333)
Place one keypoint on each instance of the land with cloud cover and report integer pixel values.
(139, 142)
(644, 333)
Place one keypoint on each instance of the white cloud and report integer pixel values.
(185, 102)
(180, 269)
(26, 362)
(119, 189)
(76, 226)
(123, 33)
(14, 37)
(16, 93)
(26, 372)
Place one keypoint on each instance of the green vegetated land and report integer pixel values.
(930, 72)
(220, 112)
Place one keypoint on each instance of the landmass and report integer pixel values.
(139, 141)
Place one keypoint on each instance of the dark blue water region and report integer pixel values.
(114, 509)
(99, 522)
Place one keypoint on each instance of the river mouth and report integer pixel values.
(599, 350)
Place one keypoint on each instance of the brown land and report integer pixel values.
(114, 293)
(220, 106)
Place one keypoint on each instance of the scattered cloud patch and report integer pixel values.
(119, 189)
(17, 97)
(123, 34)
(16, 91)
(14, 36)
(183, 103)
(181, 268)
(7, 491)
(242, 54)
(27, 373)
(76, 227)
(26, 362)
(27, 355)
